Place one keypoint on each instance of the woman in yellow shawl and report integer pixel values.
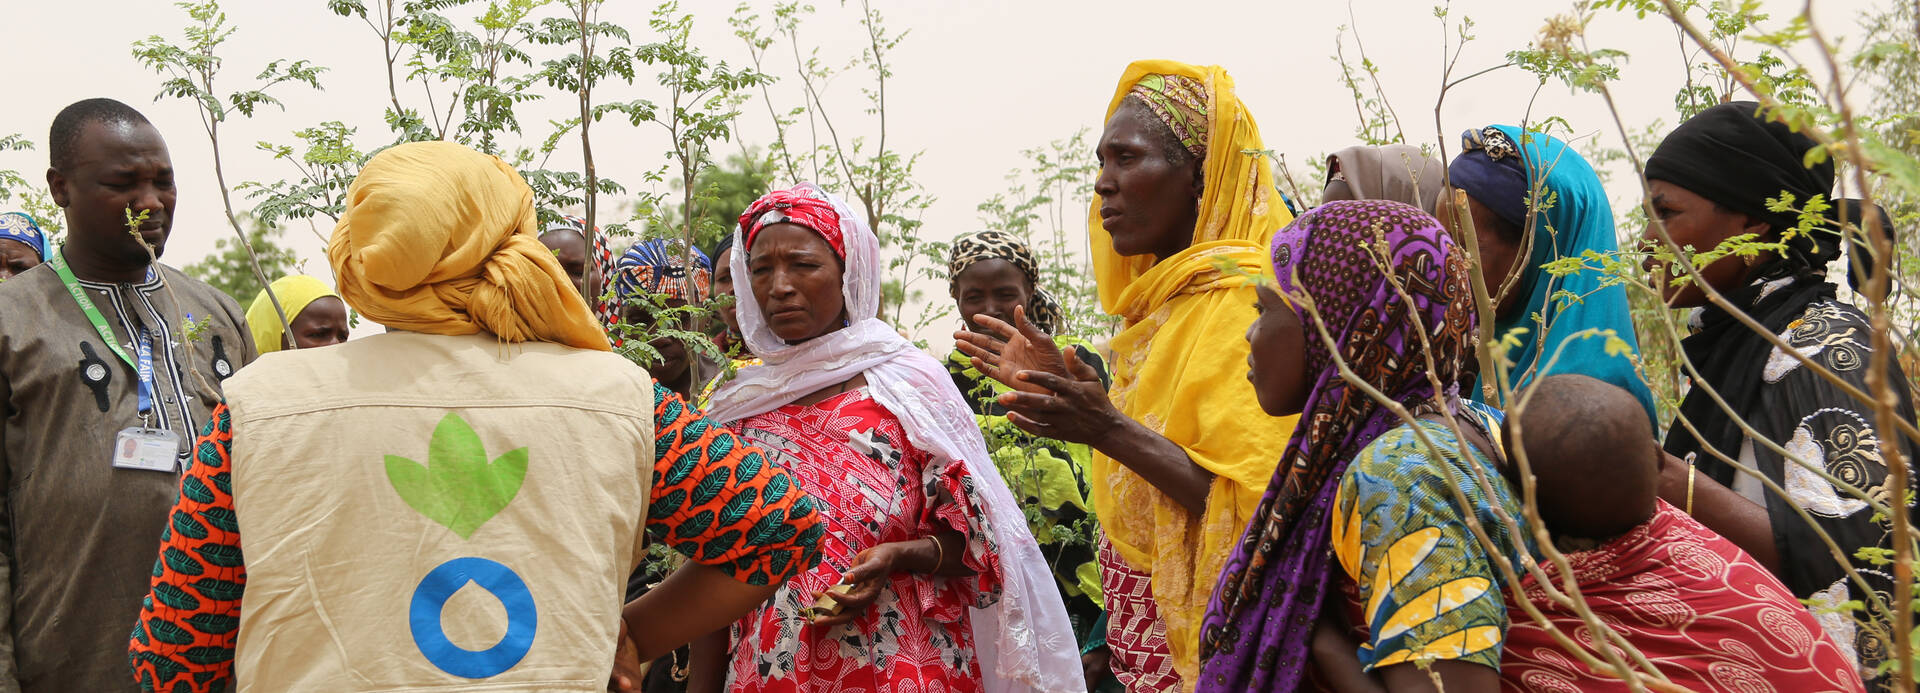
(1182, 213)
(316, 315)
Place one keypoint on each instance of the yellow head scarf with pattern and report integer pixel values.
(1180, 363)
(441, 239)
(296, 292)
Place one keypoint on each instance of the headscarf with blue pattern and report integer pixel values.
(15, 226)
(659, 266)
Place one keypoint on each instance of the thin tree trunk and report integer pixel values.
(586, 146)
(226, 201)
(386, 49)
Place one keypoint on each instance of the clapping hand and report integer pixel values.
(1006, 350)
(1072, 407)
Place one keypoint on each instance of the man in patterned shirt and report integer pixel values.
(95, 356)
(456, 503)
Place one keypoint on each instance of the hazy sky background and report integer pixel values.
(975, 82)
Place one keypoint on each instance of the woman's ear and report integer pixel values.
(1199, 180)
(1759, 229)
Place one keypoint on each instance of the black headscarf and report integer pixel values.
(1855, 212)
(1733, 156)
(723, 245)
(1736, 157)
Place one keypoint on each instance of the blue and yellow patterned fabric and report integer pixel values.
(1429, 590)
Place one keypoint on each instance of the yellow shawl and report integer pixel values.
(1180, 368)
(439, 238)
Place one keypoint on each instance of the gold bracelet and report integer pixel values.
(940, 555)
(1692, 471)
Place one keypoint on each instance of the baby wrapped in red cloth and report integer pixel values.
(1703, 612)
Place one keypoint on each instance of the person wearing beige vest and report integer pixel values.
(455, 505)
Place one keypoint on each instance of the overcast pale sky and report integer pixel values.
(975, 82)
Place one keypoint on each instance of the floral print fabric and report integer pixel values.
(873, 487)
(1702, 611)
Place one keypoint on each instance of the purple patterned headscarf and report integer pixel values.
(1260, 620)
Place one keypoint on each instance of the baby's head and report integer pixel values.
(1592, 453)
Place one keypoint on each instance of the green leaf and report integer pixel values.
(165, 631)
(221, 519)
(1616, 346)
(180, 562)
(187, 526)
(750, 463)
(218, 590)
(175, 597)
(764, 530)
(776, 487)
(458, 488)
(1815, 156)
(710, 487)
(209, 655)
(694, 525)
(221, 555)
(165, 667)
(720, 545)
(722, 446)
(736, 509)
(192, 489)
(214, 624)
(681, 469)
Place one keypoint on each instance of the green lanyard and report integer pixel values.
(142, 368)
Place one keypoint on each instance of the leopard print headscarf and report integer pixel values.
(1042, 309)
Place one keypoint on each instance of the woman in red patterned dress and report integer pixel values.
(944, 588)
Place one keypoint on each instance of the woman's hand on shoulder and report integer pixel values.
(1010, 349)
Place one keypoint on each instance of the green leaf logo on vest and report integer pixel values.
(457, 487)
(461, 490)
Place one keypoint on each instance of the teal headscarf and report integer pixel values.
(1576, 218)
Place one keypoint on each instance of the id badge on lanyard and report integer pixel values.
(144, 447)
(137, 447)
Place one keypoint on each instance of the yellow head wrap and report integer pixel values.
(1180, 365)
(295, 292)
(441, 239)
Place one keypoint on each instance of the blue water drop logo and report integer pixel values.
(431, 596)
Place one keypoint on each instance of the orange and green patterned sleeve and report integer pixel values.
(188, 623)
(715, 499)
(718, 501)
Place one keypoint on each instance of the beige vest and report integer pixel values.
(423, 512)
